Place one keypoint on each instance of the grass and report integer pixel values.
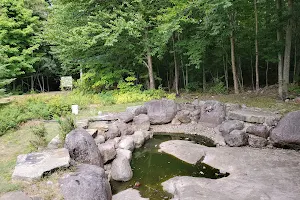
(13, 144)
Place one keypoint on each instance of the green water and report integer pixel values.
(151, 168)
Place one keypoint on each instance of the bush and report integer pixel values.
(67, 124)
(40, 140)
(218, 87)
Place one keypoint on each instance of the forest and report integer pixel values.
(175, 45)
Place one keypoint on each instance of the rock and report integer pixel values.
(175, 121)
(127, 142)
(82, 123)
(117, 140)
(17, 195)
(107, 150)
(148, 135)
(236, 138)
(99, 139)
(121, 169)
(197, 102)
(232, 106)
(83, 148)
(138, 138)
(258, 130)
(88, 182)
(287, 133)
(105, 117)
(129, 194)
(55, 143)
(186, 151)
(257, 142)
(186, 106)
(183, 116)
(125, 129)
(212, 112)
(228, 126)
(141, 123)
(254, 116)
(253, 175)
(136, 110)
(297, 100)
(161, 111)
(113, 131)
(92, 132)
(125, 117)
(99, 125)
(125, 153)
(32, 166)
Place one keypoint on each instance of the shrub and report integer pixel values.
(39, 132)
(218, 87)
(67, 124)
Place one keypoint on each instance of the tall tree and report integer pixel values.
(256, 47)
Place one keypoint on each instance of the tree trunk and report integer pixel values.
(252, 79)
(241, 75)
(287, 52)
(176, 71)
(280, 57)
(267, 70)
(203, 79)
(256, 48)
(150, 70)
(32, 83)
(235, 79)
(295, 64)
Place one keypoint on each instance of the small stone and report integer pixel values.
(127, 142)
(92, 132)
(236, 138)
(257, 142)
(258, 130)
(107, 150)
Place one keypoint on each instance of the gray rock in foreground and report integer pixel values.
(287, 133)
(257, 142)
(107, 150)
(230, 125)
(89, 182)
(17, 195)
(121, 169)
(258, 130)
(212, 112)
(268, 174)
(129, 194)
(141, 123)
(32, 166)
(136, 110)
(236, 138)
(82, 147)
(161, 111)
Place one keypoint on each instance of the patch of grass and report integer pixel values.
(15, 143)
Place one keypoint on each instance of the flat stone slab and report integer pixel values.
(129, 194)
(266, 174)
(32, 166)
(254, 116)
(82, 123)
(195, 129)
(188, 153)
(17, 195)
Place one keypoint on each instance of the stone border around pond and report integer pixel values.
(107, 141)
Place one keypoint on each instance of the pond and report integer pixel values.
(151, 168)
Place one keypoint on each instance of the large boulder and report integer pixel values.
(183, 116)
(258, 130)
(141, 123)
(287, 133)
(107, 150)
(236, 138)
(161, 111)
(32, 166)
(125, 117)
(257, 142)
(212, 112)
(228, 126)
(113, 131)
(82, 147)
(127, 143)
(89, 182)
(125, 129)
(121, 169)
(137, 110)
(138, 138)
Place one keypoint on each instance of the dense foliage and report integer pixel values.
(168, 44)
